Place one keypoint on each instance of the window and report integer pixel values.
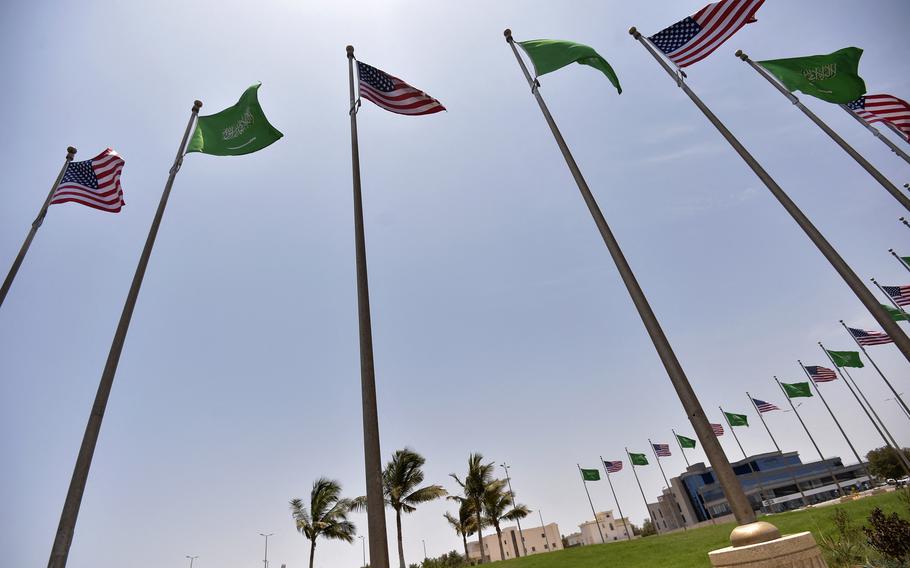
(542, 535)
(611, 526)
(546, 546)
(614, 538)
(533, 549)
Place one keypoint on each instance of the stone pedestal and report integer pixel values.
(792, 551)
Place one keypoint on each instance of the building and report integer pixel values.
(773, 482)
(536, 540)
(613, 529)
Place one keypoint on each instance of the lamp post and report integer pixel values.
(191, 559)
(524, 550)
(265, 559)
(363, 545)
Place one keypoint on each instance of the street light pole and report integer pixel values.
(191, 559)
(524, 550)
(265, 559)
(363, 545)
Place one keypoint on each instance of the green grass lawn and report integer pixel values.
(690, 549)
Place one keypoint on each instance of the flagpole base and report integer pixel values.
(792, 551)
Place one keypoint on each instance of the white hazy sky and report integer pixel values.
(500, 323)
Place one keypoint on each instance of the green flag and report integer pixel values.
(846, 358)
(685, 442)
(833, 77)
(737, 419)
(638, 459)
(906, 259)
(240, 129)
(896, 314)
(548, 55)
(797, 390)
(590, 474)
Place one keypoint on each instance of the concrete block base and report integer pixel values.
(792, 551)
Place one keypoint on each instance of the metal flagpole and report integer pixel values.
(379, 547)
(681, 450)
(899, 259)
(64, 537)
(761, 487)
(897, 306)
(8, 282)
(739, 505)
(891, 145)
(883, 430)
(585, 483)
(904, 221)
(643, 498)
(770, 435)
(667, 483)
(852, 280)
(615, 500)
(882, 375)
(818, 391)
(901, 407)
(517, 521)
(881, 179)
(543, 528)
(811, 439)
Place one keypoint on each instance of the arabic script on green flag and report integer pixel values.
(737, 419)
(797, 390)
(590, 474)
(548, 55)
(896, 314)
(685, 442)
(638, 459)
(833, 77)
(240, 129)
(846, 358)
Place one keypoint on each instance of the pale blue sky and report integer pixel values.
(500, 323)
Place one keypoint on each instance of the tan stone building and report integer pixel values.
(537, 540)
(613, 529)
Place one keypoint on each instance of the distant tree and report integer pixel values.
(647, 528)
(466, 523)
(475, 483)
(498, 506)
(884, 462)
(448, 560)
(327, 514)
(400, 480)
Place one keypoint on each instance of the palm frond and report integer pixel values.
(424, 494)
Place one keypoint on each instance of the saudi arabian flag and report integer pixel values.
(685, 442)
(833, 77)
(906, 259)
(240, 129)
(896, 314)
(737, 419)
(797, 390)
(590, 474)
(846, 358)
(548, 55)
(638, 459)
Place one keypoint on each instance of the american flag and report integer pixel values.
(866, 338)
(821, 374)
(763, 406)
(393, 94)
(883, 108)
(696, 37)
(718, 429)
(613, 466)
(900, 294)
(662, 450)
(94, 182)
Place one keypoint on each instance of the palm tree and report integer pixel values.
(498, 505)
(327, 515)
(400, 479)
(475, 483)
(466, 523)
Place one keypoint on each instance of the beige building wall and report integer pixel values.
(613, 529)
(537, 540)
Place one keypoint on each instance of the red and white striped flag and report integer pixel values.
(718, 429)
(883, 108)
(393, 94)
(867, 338)
(95, 183)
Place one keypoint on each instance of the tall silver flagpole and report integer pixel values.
(883, 430)
(881, 179)
(524, 550)
(777, 447)
(643, 498)
(739, 504)
(70, 153)
(626, 527)
(681, 449)
(891, 145)
(871, 360)
(379, 546)
(899, 259)
(897, 306)
(593, 512)
(818, 391)
(761, 487)
(811, 439)
(852, 280)
(904, 221)
(64, 537)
